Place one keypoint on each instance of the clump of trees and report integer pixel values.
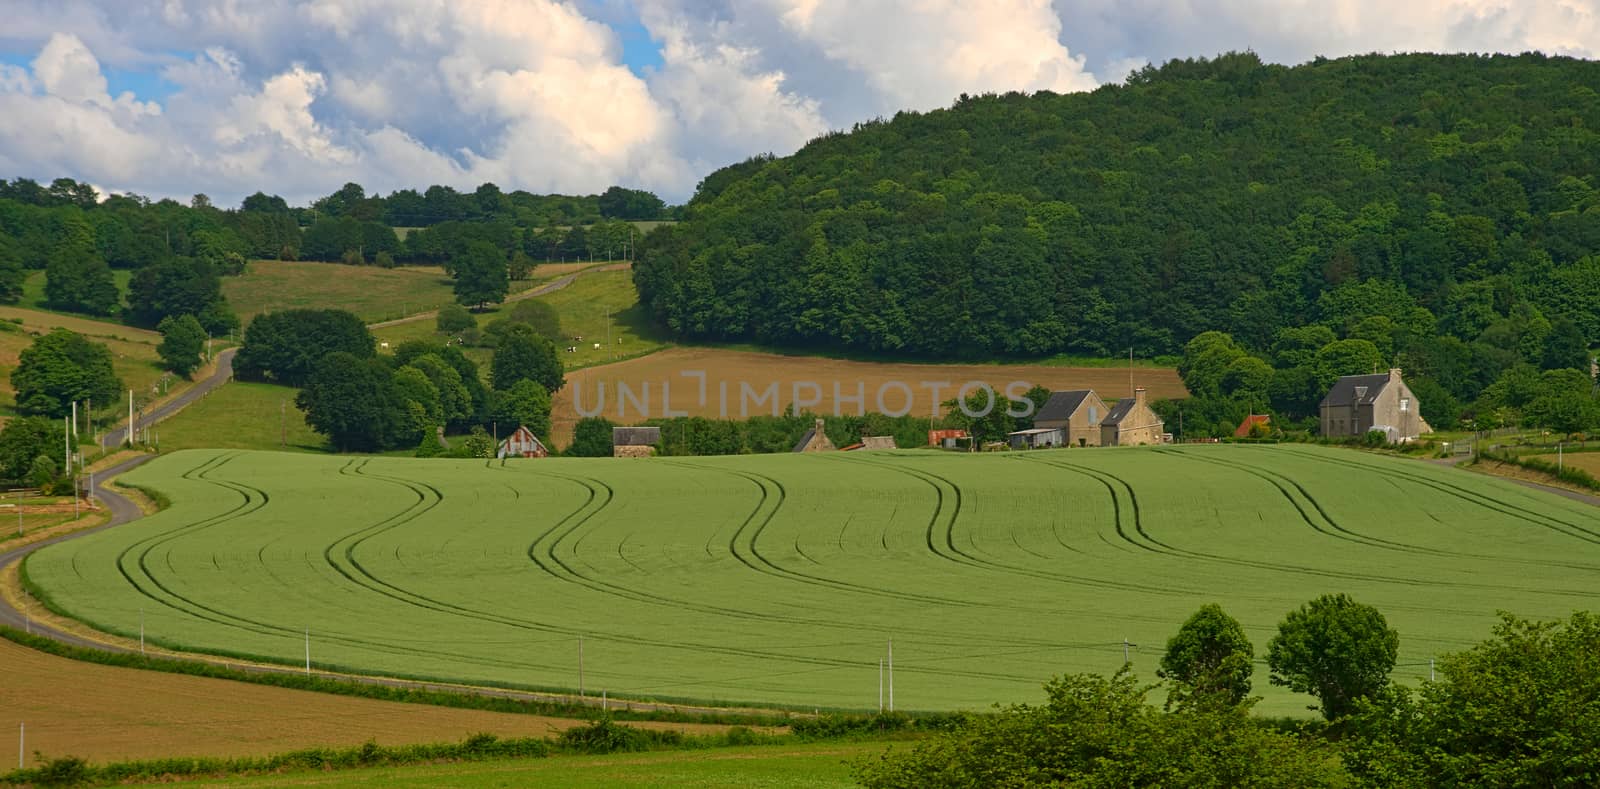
(183, 339)
(286, 346)
(61, 368)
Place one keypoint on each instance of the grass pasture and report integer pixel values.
(133, 351)
(373, 293)
(241, 415)
(675, 372)
(780, 579)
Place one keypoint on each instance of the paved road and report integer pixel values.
(221, 376)
(122, 510)
(549, 287)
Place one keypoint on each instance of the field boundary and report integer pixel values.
(538, 290)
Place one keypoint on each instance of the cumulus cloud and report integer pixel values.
(299, 96)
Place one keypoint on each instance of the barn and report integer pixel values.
(634, 442)
(522, 444)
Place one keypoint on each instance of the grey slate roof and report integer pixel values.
(635, 436)
(1356, 390)
(1119, 411)
(1061, 405)
(805, 440)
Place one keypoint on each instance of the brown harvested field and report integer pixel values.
(1588, 461)
(105, 713)
(730, 371)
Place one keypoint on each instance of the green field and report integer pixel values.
(779, 579)
(816, 766)
(241, 415)
(133, 352)
(373, 293)
(33, 287)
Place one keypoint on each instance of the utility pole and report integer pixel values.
(891, 675)
(66, 446)
(141, 630)
(130, 418)
(880, 686)
(283, 423)
(1126, 659)
(308, 650)
(580, 667)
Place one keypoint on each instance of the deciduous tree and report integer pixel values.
(182, 340)
(1336, 649)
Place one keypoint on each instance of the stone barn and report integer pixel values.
(634, 442)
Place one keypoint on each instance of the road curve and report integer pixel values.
(220, 376)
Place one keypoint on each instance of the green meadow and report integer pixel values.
(781, 580)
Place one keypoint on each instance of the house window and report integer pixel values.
(1094, 415)
(1405, 404)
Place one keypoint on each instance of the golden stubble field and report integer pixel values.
(737, 384)
(106, 713)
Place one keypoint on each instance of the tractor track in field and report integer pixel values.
(1476, 498)
(1301, 569)
(1376, 542)
(948, 509)
(422, 601)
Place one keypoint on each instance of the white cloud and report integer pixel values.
(299, 96)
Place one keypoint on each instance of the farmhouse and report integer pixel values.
(1360, 404)
(522, 444)
(815, 440)
(1037, 438)
(634, 442)
(1077, 414)
(1131, 423)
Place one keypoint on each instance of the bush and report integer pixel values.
(454, 318)
(603, 735)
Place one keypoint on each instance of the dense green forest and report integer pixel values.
(1443, 208)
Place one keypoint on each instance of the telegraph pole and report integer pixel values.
(1126, 659)
(891, 675)
(580, 667)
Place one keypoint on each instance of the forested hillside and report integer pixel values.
(1397, 199)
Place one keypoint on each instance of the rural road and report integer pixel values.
(219, 377)
(549, 287)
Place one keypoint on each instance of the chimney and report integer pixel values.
(819, 425)
(1394, 375)
(1138, 396)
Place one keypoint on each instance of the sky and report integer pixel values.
(169, 98)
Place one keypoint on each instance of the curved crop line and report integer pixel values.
(956, 555)
(1307, 570)
(1476, 498)
(423, 601)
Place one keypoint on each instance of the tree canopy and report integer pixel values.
(286, 345)
(1397, 201)
(182, 341)
(1336, 649)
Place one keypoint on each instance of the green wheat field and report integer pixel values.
(781, 580)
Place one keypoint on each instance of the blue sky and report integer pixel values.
(297, 97)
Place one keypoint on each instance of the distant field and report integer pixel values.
(33, 287)
(105, 713)
(133, 350)
(371, 292)
(583, 306)
(241, 415)
(813, 766)
(779, 579)
(665, 371)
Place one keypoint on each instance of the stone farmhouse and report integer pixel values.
(1132, 423)
(1076, 414)
(1360, 404)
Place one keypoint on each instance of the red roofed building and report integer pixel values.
(1251, 421)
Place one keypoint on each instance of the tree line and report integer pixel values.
(1441, 207)
(1517, 709)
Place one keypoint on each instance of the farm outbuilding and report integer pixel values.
(946, 438)
(634, 442)
(1037, 438)
(1249, 424)
(522, 444)
(1076, 413)
(1132, 423)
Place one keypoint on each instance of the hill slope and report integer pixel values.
(1221, 194)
